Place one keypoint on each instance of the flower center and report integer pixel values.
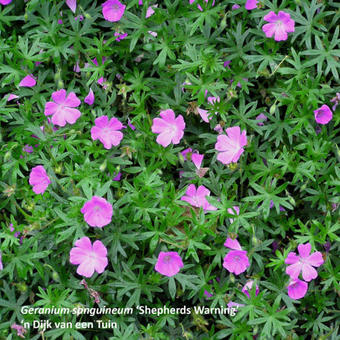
(237, 258)
(97, 208)
(279, 24)
(167, 259)
(115, 7)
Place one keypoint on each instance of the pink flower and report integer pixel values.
(20, 329)
(132, 127)
(101, 81)
(279, 25)
(11, 97)
(97, 212)
(231, 146)
(113, 10)
(297, 289)
(170, 129)
(120, 36)
(248, 286)
(90, 258)
(154, 34)
(28, 81)
(117, 177)
(323, 115)
(107, 131)
(150, 11)
(62, 108)
(261, 118)
(251, 4)
(232, 244)
(39, 179)
(232, 211)
(198, 198)
(304, 263)
(197, 159)
(185, 152)
(89, 98)
(235, 6)
(236, 261)
(213, 100)
(28, 148)
(5, 2)
(228, 62)
(235, 304)
(204, 115)
(207, 294)
(168, 263)
(1, 265)
(72, 4)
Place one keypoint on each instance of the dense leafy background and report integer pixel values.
(289, 160)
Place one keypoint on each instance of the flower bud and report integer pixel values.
(58, 169)
(60, 84)
(103, 166)
(272, 109)
(55, 276)
(22, 287)
(255, 241)
(7, 156)
(232, 278)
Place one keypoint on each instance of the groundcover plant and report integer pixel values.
(169, 169)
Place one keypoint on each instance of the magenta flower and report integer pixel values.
(323, 115)
(27, 148)
(232, 211)
(251, 4)
(235, 304)
(236, 261)
(297, 289)
(170, 128)
(97, 212)
(232, 244)
(150, 11)
(12, 96)
(113, 10)
(197, 159)
(336, 101)
(231, 146)
(72, 4)
(279, 25)
(20, 329)
(304, 263)
(5, 2)
(62, 108)
(169, 263)
(204, 115)
(39, 179)
(117, 177)
(28, 81)
(90, 258)
(198, 198)
(89, 99)
(235, 6)
(185, 152)
(261, 118)
(1, 265)
(248, 286)
(107, 131)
